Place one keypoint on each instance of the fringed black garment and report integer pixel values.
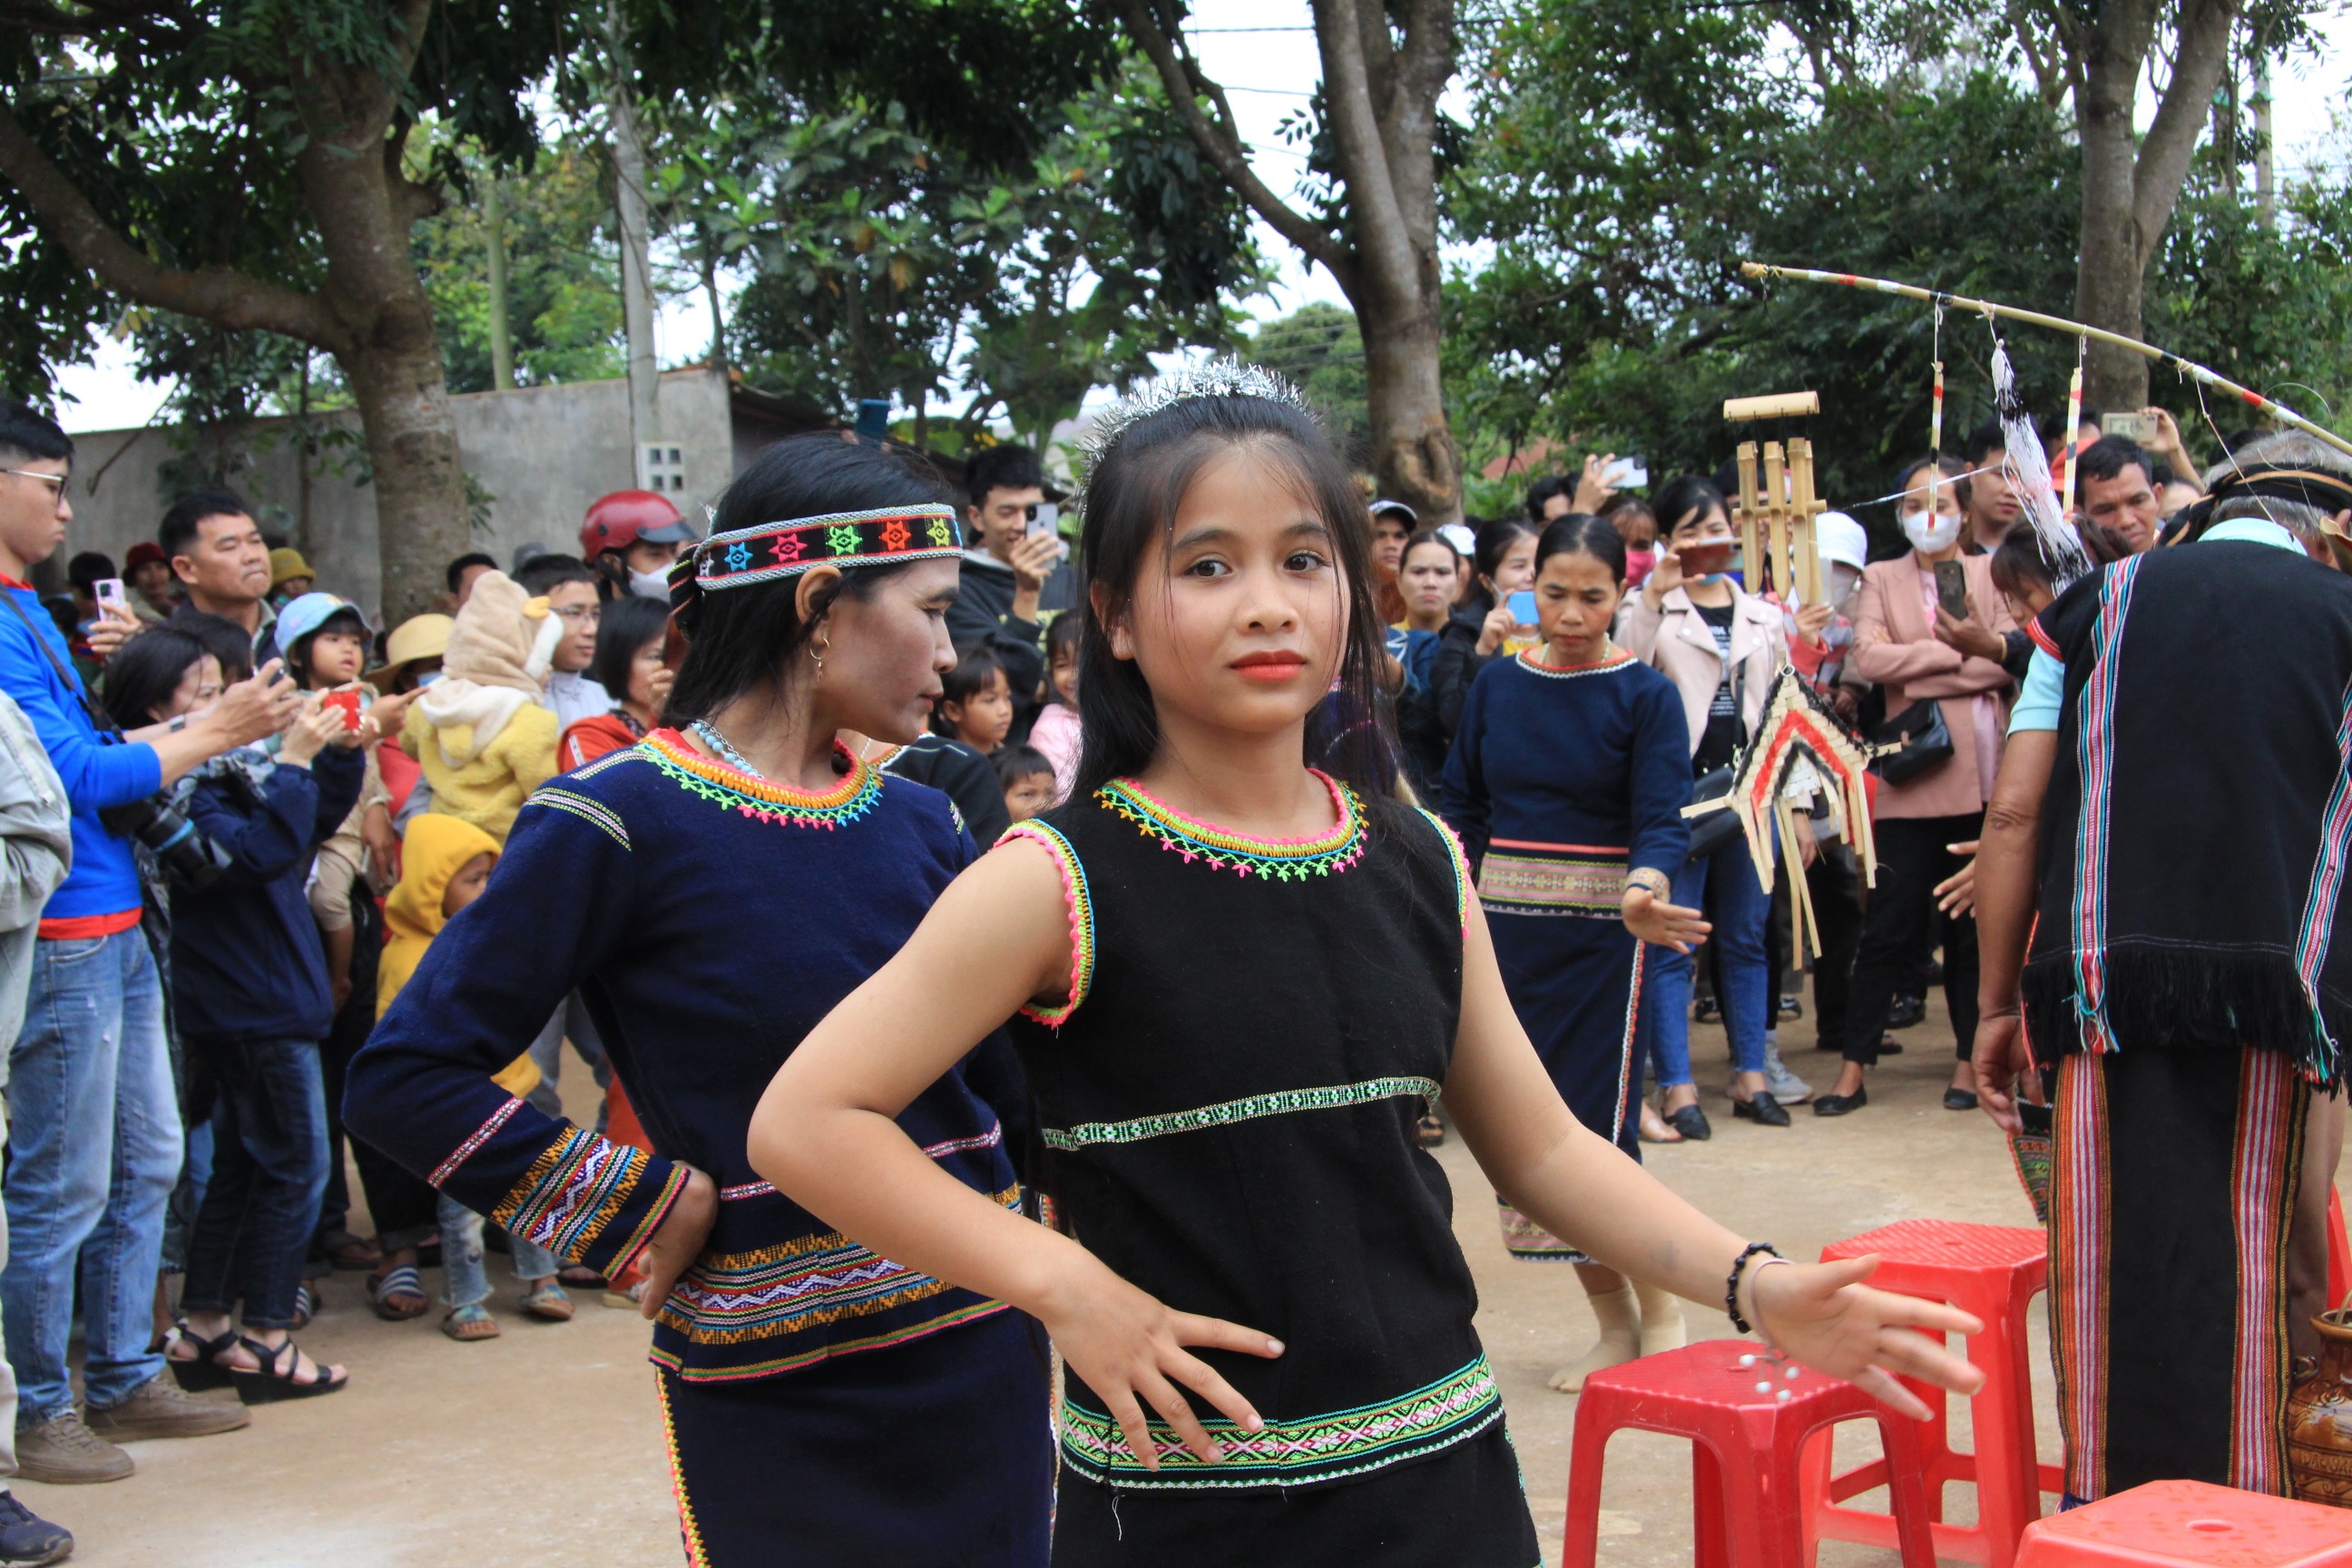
(2188, 982)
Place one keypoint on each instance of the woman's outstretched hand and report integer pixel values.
(1822, 1315)
(678, 1241)
(1129, 1347)
(1654, 920)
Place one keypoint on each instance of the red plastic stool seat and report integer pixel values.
(1745, 1446)
(2189, 1524)
(1992, 1272)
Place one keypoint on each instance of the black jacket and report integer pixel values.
(982, 616)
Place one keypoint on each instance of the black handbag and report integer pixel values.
(1924, 739)
(1712, 830)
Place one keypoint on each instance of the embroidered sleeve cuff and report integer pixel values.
(590, 1200)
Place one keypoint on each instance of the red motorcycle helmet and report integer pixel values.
(618, 520)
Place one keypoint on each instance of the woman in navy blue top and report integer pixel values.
(712, 893)
(1567, 785)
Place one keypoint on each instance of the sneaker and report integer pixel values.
(1907, 1011)
(157, 1408)
(1791, 1008)
(1783, 1085)
(1706, 1010)
(64, 1452)
(25, 1537)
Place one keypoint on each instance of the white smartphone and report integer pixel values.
(108, 592)
(1628, 474)
(1044, 518)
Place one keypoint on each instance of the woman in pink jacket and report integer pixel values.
(1905, 641)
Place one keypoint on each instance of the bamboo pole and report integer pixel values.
(2195, 372)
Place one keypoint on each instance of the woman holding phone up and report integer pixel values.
(1720, 646)
(1918, 823)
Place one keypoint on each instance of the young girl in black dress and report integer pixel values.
(1239, 981)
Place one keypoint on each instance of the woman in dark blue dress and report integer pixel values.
(1567, 784)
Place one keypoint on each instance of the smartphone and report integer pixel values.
(2131, 426)
(1952, 589)
(348, 703)
(108, 592)
(1523, 606)
(1044, 518)
(1628, 474)
(1705, 560)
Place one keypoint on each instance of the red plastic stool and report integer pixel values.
(2189, 1524)
(2340, 1251)
(1992, 1271)
(1745, 1443)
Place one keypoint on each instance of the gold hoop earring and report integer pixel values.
(818, 652)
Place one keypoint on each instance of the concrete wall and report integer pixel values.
(542, 452)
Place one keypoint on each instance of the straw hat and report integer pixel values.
(419, 637)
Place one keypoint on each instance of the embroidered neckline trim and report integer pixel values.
(1618, 660)
(753, 796)
(1279, 860)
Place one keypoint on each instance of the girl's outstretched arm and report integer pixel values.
(1545, 1165)
(824, 1135)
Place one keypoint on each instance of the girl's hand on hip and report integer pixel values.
(1823, 1316)
(1654, 920)
(678, 1242)
(1129, 1347)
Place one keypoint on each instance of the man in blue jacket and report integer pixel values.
(94, 1144)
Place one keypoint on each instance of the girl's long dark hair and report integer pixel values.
(1493, 543)
(1131, 502)
(146, 670)
(739, 639)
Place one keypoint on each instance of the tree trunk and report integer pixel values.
(2130, 187)
(1413, 453)
(493, 234)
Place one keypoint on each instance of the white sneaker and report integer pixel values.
(1785, 1086)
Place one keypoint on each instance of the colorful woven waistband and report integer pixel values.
(1519, 883)
(774, 549)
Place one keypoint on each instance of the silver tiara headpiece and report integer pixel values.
(1225, 377)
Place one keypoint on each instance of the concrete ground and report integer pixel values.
(546, 1444)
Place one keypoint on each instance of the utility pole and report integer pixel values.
(629, 205)
(494, 233)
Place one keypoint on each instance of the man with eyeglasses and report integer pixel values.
(95, 1136)
(568, 586)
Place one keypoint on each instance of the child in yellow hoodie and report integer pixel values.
(483, 733)
(444, 865)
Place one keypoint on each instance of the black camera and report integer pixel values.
(188, 857)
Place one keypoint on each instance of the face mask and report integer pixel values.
(650, 585)
(1639, 565)
(1843, 581)
(426, 679)
(1931, 533)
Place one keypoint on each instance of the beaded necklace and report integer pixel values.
(1274, 859)
(737, 785)
(708, 733)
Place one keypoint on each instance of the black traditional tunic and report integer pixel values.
(1228, 1100)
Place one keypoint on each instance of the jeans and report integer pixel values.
(95, 1149)
(1738, 911)
(461, 1255)
(269, 1169)
(547, 1051)
(1900, 925)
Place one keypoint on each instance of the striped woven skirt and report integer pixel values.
(2187, 1255)
(1574, 975)
(936, 1451)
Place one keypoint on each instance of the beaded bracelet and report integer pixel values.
(1731, 1285)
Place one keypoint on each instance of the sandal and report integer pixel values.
(1429, 1131)
(393, 1291)
(269, 1383)
(470, 1322)
(630, 1299)
(1654, 1129)
(580, 1277)
(352, 1254)
(546, 1300)
(202, 1370)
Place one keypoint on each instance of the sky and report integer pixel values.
(1263, 51)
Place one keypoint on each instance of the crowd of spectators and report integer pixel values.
(234, 811)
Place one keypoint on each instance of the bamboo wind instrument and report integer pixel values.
(2189, 368)
(1774, 521)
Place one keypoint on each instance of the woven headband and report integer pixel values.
(743, 556)
(2315, 487)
